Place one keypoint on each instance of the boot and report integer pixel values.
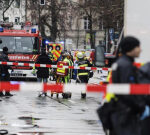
(8, 94)
(45, 94)
(1, 94)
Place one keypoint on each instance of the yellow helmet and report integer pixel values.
(80, 55)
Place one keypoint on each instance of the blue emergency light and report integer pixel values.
(1, 29)
(33, 30)
(46, 42)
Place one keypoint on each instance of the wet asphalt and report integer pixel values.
(27, 114)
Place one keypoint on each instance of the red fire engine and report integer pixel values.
(23, 46)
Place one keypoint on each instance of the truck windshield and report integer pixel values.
(20, 44)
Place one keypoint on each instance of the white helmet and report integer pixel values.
(80, 55)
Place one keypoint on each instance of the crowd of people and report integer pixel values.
(63, 75)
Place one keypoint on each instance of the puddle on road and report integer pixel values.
(35, 133)
(30, 121)
(28, 118)
(91, 122)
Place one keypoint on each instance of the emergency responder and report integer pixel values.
(82, 75)
(4, 73)
(65, 58)
(43, 72)
(128, 108)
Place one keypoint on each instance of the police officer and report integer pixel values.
(4, 73)
(43, 72)
(130, 107)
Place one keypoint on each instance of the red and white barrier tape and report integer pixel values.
(51, 66)
(122, 89)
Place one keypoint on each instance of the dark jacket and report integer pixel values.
(123, 70)
(81, 63)
(43, 72)
(128, 107)
(4, 68)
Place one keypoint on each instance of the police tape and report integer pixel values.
(121, 89)
(52, 66)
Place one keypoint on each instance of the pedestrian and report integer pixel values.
(122, 113)
(129, 108)
(43, 72)
(4, 73)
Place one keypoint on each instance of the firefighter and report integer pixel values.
(5, 76)
(82, 75)
(43, 72)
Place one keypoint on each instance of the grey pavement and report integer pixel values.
(27, 114)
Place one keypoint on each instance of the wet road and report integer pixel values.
(27, 114)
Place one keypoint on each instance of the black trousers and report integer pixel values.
(83, 79)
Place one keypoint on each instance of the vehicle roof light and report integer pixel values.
(1, 29)
(33, 30)
(46, 42)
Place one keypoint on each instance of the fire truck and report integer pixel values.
(23, 46)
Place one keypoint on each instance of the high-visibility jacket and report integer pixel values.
(68, 61)
(83, 63)
(62, 71)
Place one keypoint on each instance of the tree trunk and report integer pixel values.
(78, 32)
(91, 33)
(54, 28)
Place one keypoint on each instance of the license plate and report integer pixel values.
(17, 73)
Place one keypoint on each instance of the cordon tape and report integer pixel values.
(51, 66)
(122, 89)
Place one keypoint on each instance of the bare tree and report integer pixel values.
(108, 12)
(4, 6)
(53, 16)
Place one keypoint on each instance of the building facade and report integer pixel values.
(15, 12)
(75, 36)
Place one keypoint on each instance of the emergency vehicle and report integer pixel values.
(23, 46)
(55, 49)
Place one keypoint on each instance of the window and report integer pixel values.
(17, 20)
(6, 19)
(86, 23)
(20, 44)
(6, 2)
(42, 2)
(17, 3)
(101, 24)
